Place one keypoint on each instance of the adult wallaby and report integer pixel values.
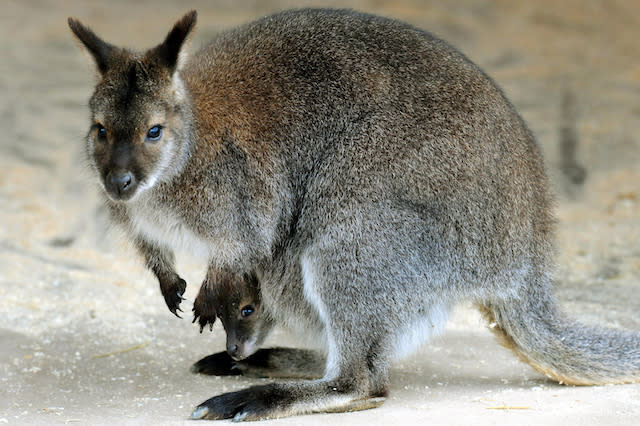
(247, 322)
(365, 172)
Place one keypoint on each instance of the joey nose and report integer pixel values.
(236, 352)
(121, 184)
(233, 350)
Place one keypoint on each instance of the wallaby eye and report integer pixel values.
(247, 311)
(154, 133)
(102, 132)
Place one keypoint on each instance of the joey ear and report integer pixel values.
(168, 52)
(101, 51)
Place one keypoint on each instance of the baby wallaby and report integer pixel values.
(366, 173)
(238, 305)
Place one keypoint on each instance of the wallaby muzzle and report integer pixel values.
(120, 184)
(241, 350)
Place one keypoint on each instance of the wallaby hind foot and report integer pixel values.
(275, 400)
(275, 363)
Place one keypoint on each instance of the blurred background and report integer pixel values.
(84, 333)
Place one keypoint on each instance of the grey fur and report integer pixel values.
(366, 172)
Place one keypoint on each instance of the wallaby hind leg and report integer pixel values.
(351, 389)
(356, 373)
(283, 399)
(218, 364)
(274, 363)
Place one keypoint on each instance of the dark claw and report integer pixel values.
(224, 406)
(199, 413)
(172, 292)
(254, 403)
(203, 312)
(203, 321)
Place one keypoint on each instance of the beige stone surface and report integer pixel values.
(85, 336)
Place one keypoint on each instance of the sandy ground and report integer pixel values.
(85, 336)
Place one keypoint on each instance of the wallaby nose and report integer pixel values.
(236, 352)
(120, 183)
(233, 350)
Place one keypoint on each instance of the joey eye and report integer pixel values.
(154, 133)
(247, 311)
(102, 132)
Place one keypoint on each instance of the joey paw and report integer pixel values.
(203, 312)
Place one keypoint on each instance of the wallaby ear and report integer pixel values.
(168, 52)
(101, 51)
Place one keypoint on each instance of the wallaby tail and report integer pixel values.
(562, 348)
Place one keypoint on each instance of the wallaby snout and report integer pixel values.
(232, 351)
(121, 184)
(239, 350)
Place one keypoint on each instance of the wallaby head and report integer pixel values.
(239, 307)
(140, 112)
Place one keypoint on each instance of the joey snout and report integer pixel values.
(239, 350)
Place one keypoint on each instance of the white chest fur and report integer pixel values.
(161, 225)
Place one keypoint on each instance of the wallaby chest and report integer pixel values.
(159, 222)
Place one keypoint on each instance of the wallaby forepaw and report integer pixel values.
(173, 295)
(218, 364)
